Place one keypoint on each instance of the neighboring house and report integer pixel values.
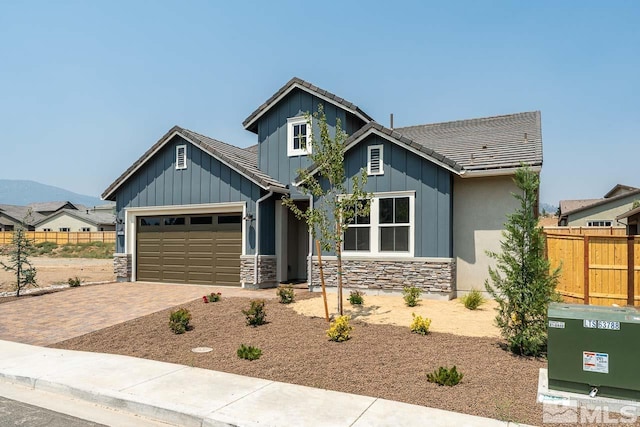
(632, 217)
(48, 208)
(12, 216)
(72, 220)
(193, 209)
(599, 212)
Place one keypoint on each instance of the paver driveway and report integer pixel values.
(58, 316)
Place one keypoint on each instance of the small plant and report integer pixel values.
(256, 314)
(249, 352)
(411, 295)
(179, 320)
(340, 329)
(420, 325)
(356, 297)
(212, 297)
(286, 294)
(445, 376)
(473, 299)
(74, 282)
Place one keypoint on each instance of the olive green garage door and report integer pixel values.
(195, 249)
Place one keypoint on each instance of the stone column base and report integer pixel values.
(267, 265)
(122, 267)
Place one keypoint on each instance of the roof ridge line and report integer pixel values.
(475, 119)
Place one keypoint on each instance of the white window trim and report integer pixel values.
(590, 223)
(381, 170)
(184, 164)
(291, 122)
(375, 228)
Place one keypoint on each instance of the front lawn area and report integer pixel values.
(385, 361)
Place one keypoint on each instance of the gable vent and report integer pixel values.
(374, 161)
(181, 157)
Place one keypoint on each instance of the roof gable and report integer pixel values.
(618, 190)
(250, 123)
(487, 143)
(19, 213)
(95, 218)
(242, 161)
(596, 202)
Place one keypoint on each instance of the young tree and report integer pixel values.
(522, 284)
(336, 202)
(20, 250)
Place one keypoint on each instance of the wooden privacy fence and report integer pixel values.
(597, 270)
(62, 237)
(587, 231)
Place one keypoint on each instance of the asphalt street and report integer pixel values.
(14, 413)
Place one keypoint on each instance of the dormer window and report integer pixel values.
(298, 137)
(374, 160)
(181, 157)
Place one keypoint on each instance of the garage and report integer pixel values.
(195, 249)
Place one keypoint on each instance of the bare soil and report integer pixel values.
(381, 360)
(55, 271)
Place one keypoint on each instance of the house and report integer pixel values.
(48, 208)
(193, 209)
(73, 220)
(599, 212)
(632, 218)
(12, 216)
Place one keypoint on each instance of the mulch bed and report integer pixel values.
(379, 360)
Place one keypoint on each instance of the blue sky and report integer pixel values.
(86, 87)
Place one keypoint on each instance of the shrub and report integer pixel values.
(356, 298)
(420, 325)
(212, 297)
(473, 299)
(411, 295)
(445, 376)
(256, 314)
(340, 329)
(74, 282)
(249, 352)
(179, 320)
(286, 294)
(44, 248)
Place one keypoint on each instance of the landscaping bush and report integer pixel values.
(411, 295)
(420, 325)
(249, 352)
(74, 282)
(256, 314)
(179, 320)
(473, 299)
(445, 376)
(212, 297)
(286, 294)
(356, 298)
(340, 329)
(45, 248)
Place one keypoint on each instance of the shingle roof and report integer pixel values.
(96, 218)
(249, 122)
(618, 187)
(18, 213)
(484, 143)
(596, 202)
(239, 159)
(50, 206)
(571, 205)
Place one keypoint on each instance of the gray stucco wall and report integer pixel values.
(272, 134)
(205, 180)
(432, 184)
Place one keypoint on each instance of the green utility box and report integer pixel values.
(594, 347)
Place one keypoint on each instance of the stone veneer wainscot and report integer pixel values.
(122, 267)
(267, 266)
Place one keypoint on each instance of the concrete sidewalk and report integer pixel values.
(186, 396)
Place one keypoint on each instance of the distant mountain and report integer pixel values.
(550, 209)
(19, 192)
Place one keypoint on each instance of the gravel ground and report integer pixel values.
(384, 361)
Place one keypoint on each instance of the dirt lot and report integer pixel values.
(52, 271)
(386, 361)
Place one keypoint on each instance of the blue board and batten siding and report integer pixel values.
(272, 134)
(404, 170)
(205, 180)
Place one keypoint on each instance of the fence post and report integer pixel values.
(586, 270)
(630, 271)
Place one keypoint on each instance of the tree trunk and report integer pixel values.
(339, 258)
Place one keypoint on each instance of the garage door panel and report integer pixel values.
(195, 254)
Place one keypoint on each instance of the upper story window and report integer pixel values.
(298, 137)
(181, 157)
(374, 160)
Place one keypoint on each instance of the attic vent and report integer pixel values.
(181, 157)
(375, 160)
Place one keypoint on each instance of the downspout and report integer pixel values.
(311, 242)
(255, 261)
